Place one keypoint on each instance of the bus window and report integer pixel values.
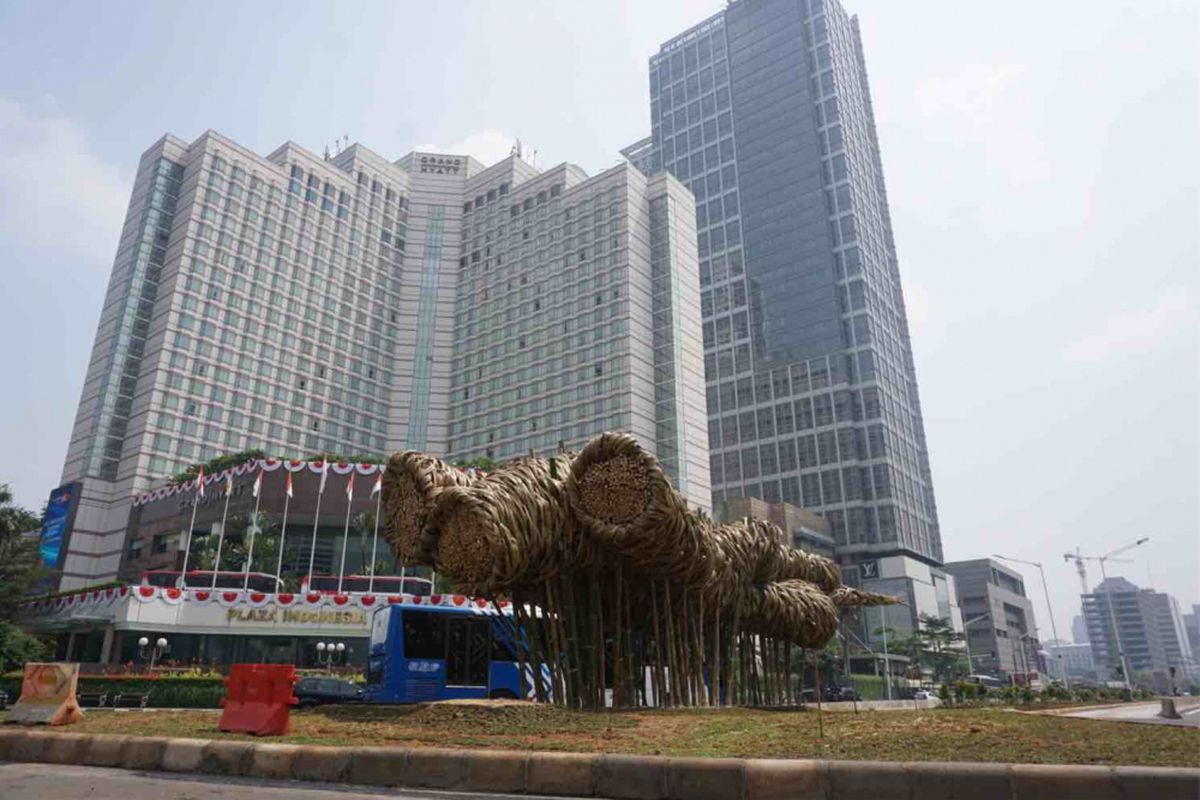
(424, 635)
(467, 651)
(502, 649)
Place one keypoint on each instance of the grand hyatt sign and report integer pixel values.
(441, 165)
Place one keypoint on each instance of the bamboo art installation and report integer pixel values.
(615, 583)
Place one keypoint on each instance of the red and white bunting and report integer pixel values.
(317, 466)
(258, 599)
(200, 596)
(172, 595)
(146, 593)
(285, 599)
(229, 597)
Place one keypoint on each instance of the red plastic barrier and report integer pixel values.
(258, 699)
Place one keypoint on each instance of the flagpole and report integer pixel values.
(287, 500)
(346, 532)
(221, 535)
(191, 526)
(312, 553)
(253, 528)
(375, 546)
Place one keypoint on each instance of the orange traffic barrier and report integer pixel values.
(258, 699)
(47, 695)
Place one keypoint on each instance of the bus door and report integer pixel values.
(468, 642)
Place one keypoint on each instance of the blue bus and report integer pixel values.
(421, 652)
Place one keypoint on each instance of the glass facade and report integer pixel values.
(764, 112)
(142, 267)
(541, 355)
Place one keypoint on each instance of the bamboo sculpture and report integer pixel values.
(615, 583)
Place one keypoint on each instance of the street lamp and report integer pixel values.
(329, 653)
(967, 639)
(154, 653)
(1049, 610)
(1112, 615)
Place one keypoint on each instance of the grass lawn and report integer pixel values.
(933, 735)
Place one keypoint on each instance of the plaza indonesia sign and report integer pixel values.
(297, 616)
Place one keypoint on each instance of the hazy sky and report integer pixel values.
(1041, 158)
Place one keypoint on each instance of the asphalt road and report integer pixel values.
(1140, 712)
(58, 782)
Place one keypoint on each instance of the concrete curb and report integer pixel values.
(604, 775)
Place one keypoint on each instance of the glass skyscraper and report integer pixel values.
(764, 111)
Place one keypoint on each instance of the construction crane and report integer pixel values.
(1080, 560)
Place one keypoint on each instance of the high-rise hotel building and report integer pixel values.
(352, 304)
(764, 112)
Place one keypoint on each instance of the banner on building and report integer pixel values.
(57, 524)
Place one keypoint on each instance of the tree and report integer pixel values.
(940, 639)
(932, 645)
(20, 571)
(478, 462)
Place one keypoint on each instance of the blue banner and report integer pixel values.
(56, 525)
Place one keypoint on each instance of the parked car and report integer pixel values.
(321, 691)
(840, 694)
(922, 695)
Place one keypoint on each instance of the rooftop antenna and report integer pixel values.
(326, 151)
(341, 143)
(516, 149)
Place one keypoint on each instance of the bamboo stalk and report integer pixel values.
(715, 668)
(660, 685)
(618, 687)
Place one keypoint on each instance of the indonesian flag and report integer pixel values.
(324, 475)
(288, 489)
(200, 482)
(257, 483)
(350, 488)
(229, 483)
(378, 485)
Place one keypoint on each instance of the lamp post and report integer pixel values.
(967, 640)
(1112, 615)
(1049, 610)
(328, 653)
(154, 653)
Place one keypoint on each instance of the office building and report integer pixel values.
(1079, 629)
(764, 111)
(352, 304)
(801, 527)
(1191, 625)
(1148, 630)
(1001, 632)
(1071, 662)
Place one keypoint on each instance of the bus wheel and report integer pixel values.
(502, 694)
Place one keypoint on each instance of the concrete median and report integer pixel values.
(604, 775)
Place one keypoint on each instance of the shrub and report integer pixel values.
(165, 691)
